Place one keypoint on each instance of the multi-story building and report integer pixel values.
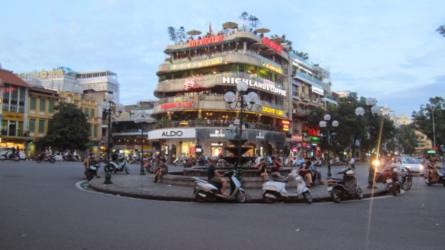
(192, 83)
(63, 79)
(13, 92)
(90, 108)
(311, 89)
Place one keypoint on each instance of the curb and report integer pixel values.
(189, 199)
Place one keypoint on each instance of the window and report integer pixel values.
(42, 126)
(92, 112)
(33, 103)
(32, 125)
(51, 106)
(94, 131)
(42, 104)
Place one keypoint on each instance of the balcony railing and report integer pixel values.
(309, 78)
(210, 123)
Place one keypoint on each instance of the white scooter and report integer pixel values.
(207, 191)
(120, 165)
(275, 189)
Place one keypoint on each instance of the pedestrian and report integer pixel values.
(161, 170)
(352, 162)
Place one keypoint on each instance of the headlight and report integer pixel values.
(421, 168)
(375, 163)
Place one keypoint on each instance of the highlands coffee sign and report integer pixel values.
(258, 84)
(173, 133)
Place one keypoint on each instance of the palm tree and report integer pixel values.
(180, 34)
(254, 21)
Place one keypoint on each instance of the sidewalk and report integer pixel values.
(135, 185)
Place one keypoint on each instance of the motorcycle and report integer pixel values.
(392, 182)
(120, 165)
(91, 170)
(344, 188)
(207, 191)
(439, 178)
(406, 179)
(275, 189)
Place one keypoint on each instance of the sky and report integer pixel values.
(385, 49)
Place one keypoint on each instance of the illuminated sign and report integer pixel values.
(317, 90)
(190, 84)
(276, 47)
(285, 125)
(218, 133)
(273, 68)
(45, 74)
(297, 138)
(9, 89)
(313, 131)
(176, 105)
(172, 133)
(273, 111)
(199, 64)
(206, 40)
(264, 84)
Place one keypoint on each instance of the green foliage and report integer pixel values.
(172, 33)
(423, 119)
(406, 139)
(353, 128)
(68, 129)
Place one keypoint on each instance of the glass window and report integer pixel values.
(32, 125)
(20, 129)
(51, 106)
(12, 128)
(94, 131)
(92, 111)
(14, 99)
(41, 126)
(4, 127)
(33, 103)
(42, 104)
(22, 100)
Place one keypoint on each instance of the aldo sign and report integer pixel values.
(173, 133)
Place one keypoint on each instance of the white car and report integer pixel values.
(411, 163)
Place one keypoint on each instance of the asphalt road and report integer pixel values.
(40, 208)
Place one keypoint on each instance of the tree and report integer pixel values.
(172, 33)
(441, 30)
(68, 130)
(180, 34)
(253, 21)
(406, 139)
(423, 119)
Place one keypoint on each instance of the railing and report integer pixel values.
(227, 36)
(224, 54)
(209, 123)
(310, 78)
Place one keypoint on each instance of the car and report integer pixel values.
(411, 163)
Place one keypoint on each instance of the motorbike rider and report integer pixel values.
(430, 166)
(262, 167)
(306, 173)
(161, 170)
(91, 160)
(217, 178)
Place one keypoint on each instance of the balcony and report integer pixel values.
(209, 123)
(309, 79)
(246, 57)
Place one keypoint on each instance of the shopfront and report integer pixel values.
(174, 142)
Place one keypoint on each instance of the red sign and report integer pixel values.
(206, 40)
(191, 84)
(297, 138)
(8, 89)
(276, 47)
(313, 131)
(173, 105)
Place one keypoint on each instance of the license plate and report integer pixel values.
(388, 180)
(330, 189)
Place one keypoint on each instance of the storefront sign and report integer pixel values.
(173, 105)
(206, 40)
(313, 131)
(12, 116)
(45, 74)
(198, 64)
(8, 89)
(273, 68)
(273, 111)
(260, 136)
(276, 47)
(218, 133)
(297, 138)
(285, 124)
(261, 84)
(173, 133)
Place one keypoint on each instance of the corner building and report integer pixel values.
(193, 116)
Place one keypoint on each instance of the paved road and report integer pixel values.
(40, 208)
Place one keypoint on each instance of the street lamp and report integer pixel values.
(371, 106)
(110, 109)
(329, 126)
(242, 101)
(141, 120)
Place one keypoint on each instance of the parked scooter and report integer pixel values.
(406, 179)
(435, 175)
(119, 165)
(207, 191)
(275, 189)
(91, 170)
(344, 188)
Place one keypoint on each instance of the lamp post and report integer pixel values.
(432, 109)
(141, 120)
(110, 109)
(360, 112)
(242, 101)
(329, 126)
